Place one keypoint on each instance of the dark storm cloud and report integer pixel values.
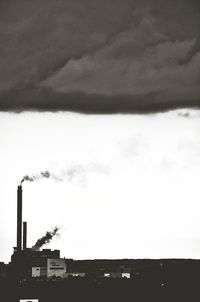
(99, 56)
(46, 100)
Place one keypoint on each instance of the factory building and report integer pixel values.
(27, 263)
(56, 268)
(24, 263)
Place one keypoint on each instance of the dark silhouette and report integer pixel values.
(92, 280)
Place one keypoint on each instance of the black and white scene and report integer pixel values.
(99, 150)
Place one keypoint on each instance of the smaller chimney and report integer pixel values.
(24, 235)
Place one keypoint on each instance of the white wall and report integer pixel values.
(35, 272)
(29, 300)
(56, 267)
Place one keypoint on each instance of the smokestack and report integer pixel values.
(24, 235)
(19, 218)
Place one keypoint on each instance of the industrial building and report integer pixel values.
(27, 263)
(37, 269)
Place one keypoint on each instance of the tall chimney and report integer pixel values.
(19, 218)
(24, 235)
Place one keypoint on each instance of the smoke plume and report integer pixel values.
(43, 174)
(73, 172)
(45, 239)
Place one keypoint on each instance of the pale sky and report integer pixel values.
(133, 190)
(125, 75)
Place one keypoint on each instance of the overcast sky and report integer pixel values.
(130, 183)
(125, 184)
